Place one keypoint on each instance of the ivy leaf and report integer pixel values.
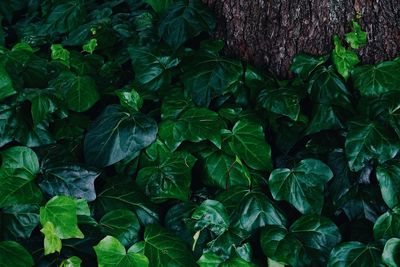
(127, 196)
(210, 259)
(357, 38)
(52, 242)
(13, 254)
(354, 254)
(170, 178)
(6, 84)
(130, 99)
(373, 80)
(18, 170)
(160, 6)
(391, 253)
(307, 242)
(121, 224)
(79, 92)
(153, 68)
(117, 134)
(344, 59)
(211, 214)
(303, 65)
(283, 101)
(205, 76)
(248, 142)
(20, 220)
(70, 180)
(194, 125)
(184, 20)
(42, 105)
(61, 211)
(302, 186)
(369, 141)
(60, 53)
(111, 253)
(164, 248)
(388, 176)
(71, 262)
(387, 225)
(90, 46)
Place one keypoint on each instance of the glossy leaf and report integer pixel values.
(111, 253)
(388, 225)
(302, 186)
(344, 59)
(211, 214)
(303, 65)
(391, 252)
(116, 134)
(369, 141)
(352, 254)
(357, 38)
(13, 254)
(388, 177)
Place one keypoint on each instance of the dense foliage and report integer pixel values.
(127, 140)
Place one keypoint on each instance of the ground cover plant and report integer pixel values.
(126, 139)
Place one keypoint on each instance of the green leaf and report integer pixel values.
(165, 249)
(283, 101)
(121, 224)
(111, 253)
(211, 214)
(302, 186)
(6, 84)
(18, 170)
(160, 6)
(130, 99)
(59, 53)
(388, 176)
(153, 68)
(391, 253)
(90, 46)
(169, 178)
(210, 259)
(70, 180)
(373, 80)
(52, 242)
(126, 196)
(303, 65)
(354, 254)
(248, 142)
(368, 141)
(61, 211)
(308, 241)
(344, 59)
(80, 92)
(206, 75)
(184, 20)
(73, 261)
(117, 134)
(194, 125)
(15, 255)
(325, 117)
(20, 220)
(357, 38)
(64, 17)
(388, 225)
(42, 105)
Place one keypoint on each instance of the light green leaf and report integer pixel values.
(90, 46)
(52, 243)
(369, 141)
(73, 261)
(302, 186)
(344, 59)
(357, 38)
(61, 211)
(111, 253)
(210, 259)
(130, 99)
(60, 53)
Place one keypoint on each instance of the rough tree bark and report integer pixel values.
(268, 33)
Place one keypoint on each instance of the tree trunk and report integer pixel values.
(268, 33)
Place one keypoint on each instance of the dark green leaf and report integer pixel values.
(388, 225)
(391, 253)
(283, 101)
(116, 134)
(354, 254)
(211, 214)
(303, 65)
(20, 220)
(302, 186)
(15, 255)
(388, 176)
